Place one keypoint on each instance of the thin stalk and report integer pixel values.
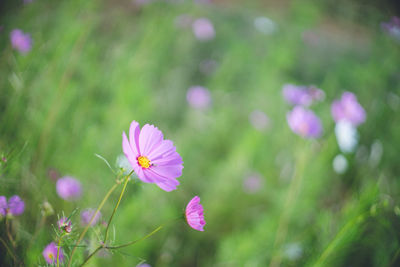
(9, 250)
(58, 250)
(115, 208)
(9, 233)
(37, 230)
(328, 250)
(138, 240)
(91, 255)
(282, 230)
(123, 245)
(91, 220)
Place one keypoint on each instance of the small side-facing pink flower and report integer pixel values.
(153, 159)
(50, 254)
(194, 214)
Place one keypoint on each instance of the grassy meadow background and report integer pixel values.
(97, 65)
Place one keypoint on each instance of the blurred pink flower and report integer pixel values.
(21, 41)
(14, 207)
(87, 215)
(198, 97)
(348, 109)
(194, 214)
(304, 122)
(302, 95)
(252, 183)
(153, 159)
(69, 188)
(203, 29)
(50, 254)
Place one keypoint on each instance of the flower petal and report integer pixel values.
(168, 185)
(16, 205)
(172, 159)
(170, 171)
(130, 155)
(134, 132)
(165, 148)
(149, 138)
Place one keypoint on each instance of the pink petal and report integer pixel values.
(171, 171)
(173, 159)
(164, 148)
(134, 131)
(169, 185)
(149, 138)
(144, 176)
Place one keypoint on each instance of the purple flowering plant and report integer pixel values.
(152, 158)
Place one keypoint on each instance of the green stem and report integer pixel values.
(8, 249)
(282, 230)
(115, 208)
(58, 249)
(91, 255)
(359, 219)
(123, 245)
(90, 222)
(138, 240)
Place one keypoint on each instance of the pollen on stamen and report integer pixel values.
(144, 162)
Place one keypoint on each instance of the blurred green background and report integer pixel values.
(97, 65)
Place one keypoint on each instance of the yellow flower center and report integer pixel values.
(144, 162)
(51, 256)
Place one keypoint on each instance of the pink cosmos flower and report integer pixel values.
(153, 159)
(348, 109)
(304, 122)
(69, 188)
(87, 215)
(194, 214)
(203, 29)
(21, 41)
(50, 254)
(14, 207)
(198, 97)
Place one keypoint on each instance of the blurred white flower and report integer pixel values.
(346, 136)
(340, 164)
(293, 251)
(265, 25)
(376, 153)
(123, 163)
